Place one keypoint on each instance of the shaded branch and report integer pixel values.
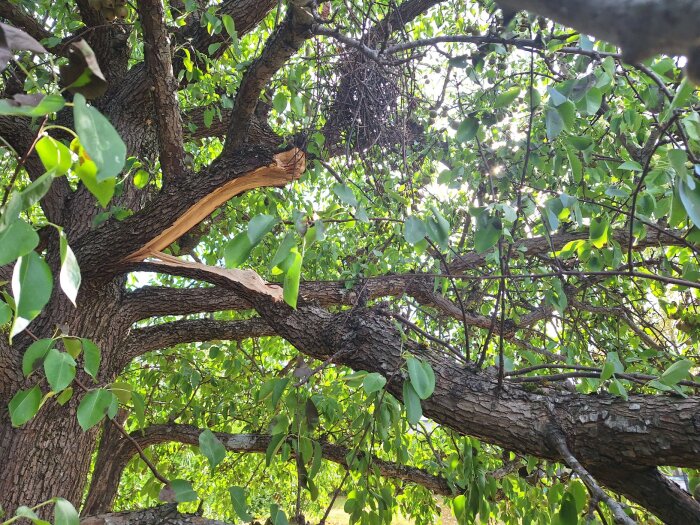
(659, 494)
(283, 44)
(162, 515)
(541, 245)
(559, 442)
(182, 206)
(159, 65)
(121, 451)
(22, 20)
(165, 335)
(194, 118)
(641, 29)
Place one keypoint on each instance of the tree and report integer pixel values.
(460, 247)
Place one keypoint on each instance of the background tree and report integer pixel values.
(473, 241)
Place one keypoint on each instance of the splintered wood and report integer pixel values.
(247, 278)
(288, 166)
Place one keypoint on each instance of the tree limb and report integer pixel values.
(559, 442)
(164, 335)
(641, 28)
(159, 64)
(20, 19)
(283, 44)
(541, 245)
(120, 453)
(182, 205)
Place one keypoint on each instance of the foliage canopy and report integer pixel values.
(255, 255)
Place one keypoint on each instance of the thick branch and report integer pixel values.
(183, 205)
(143, 340)
(659, 494)
(283, 44)
(642, 28)
(541, 245)
(18, 134)
(161, 515)
(559, 442)
(122, 451)
(20, 19)
(246, 15)
(160, 71)
(195, 118)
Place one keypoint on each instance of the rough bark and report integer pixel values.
(642, 28)
(116, 452)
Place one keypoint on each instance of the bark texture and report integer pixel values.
(620, 442)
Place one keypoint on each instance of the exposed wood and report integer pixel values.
(288, 166)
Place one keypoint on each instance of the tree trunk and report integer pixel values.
(50, 455)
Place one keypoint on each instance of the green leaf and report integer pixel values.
(275, 443)
(5, 312)
(553, 122)
(279, 424)
(311, 414)
(467, 130)
(567, 112)
(141, 178)
(54, 156)
(73, 346)
(103, 191)
(277, 516)
(211, 447)
(598, 231)
(593, 100)
(279, 102)
(240, 506)
(259, 226)
(65, 396)
(616, 387)
(17, 240)
(580, 143)
(567, 511)
(504, 99)
(30, 107)
(99, 138)
(237, 250)
(683, 93)
(64, 513)
(612, 365)
(183, 490)
(121, 390)
(26, 512)
(411, 401)
(25, 199)
(373, 382)
(689, 192)
(345, 194)
(33, 357)
(91, 357)
(292, 277)
(31, 288)
(438, 228)
(139, 405)
(93, 407)
(488, 231)
(630, 165)
(678, 371)
(422, 377)
(414, 230)
(24, 405)
(283, 250)
(69, 277)
(60, 369)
